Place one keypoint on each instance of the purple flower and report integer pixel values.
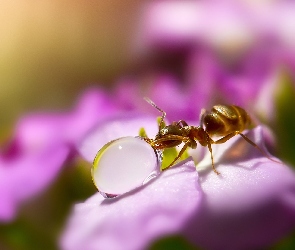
(40, 146)
(250, 205)
(156, 210)
(23, 176)
(164, 90)
(231, 58)
(235, 26)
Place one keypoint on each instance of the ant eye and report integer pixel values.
(125, 164)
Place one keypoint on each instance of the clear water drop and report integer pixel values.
(123, 165)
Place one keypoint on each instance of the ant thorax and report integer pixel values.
(172, 129)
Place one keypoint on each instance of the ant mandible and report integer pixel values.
(223, 120)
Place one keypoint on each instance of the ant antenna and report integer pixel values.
(161, 125)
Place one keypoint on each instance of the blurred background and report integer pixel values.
(60, 47)
(52, 50)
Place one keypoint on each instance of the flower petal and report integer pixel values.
(26, 176)
(135, 219)
(250, 205)
(41, 145)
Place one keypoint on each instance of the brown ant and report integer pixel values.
(223, 120)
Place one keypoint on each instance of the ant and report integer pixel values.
(226, 121)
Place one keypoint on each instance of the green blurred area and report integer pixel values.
(284, 125)
(172, 243)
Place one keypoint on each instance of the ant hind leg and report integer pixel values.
(256, 146)
(229, 136)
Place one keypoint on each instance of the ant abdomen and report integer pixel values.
(225, 119)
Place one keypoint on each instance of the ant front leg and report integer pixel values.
(165, 139)
(178, 156)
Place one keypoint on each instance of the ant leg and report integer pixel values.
(227, 137)
(148, 140)
(212, 161)
(256, 146)
(167, 138)
(178, 156)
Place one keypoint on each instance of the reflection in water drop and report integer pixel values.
(150, 177)
(105, 195)
(125, 164)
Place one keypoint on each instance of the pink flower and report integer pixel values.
(156, 210)
(40, 146)
(250, 205)
(23, 176)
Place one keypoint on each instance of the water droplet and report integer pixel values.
(125, 164)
